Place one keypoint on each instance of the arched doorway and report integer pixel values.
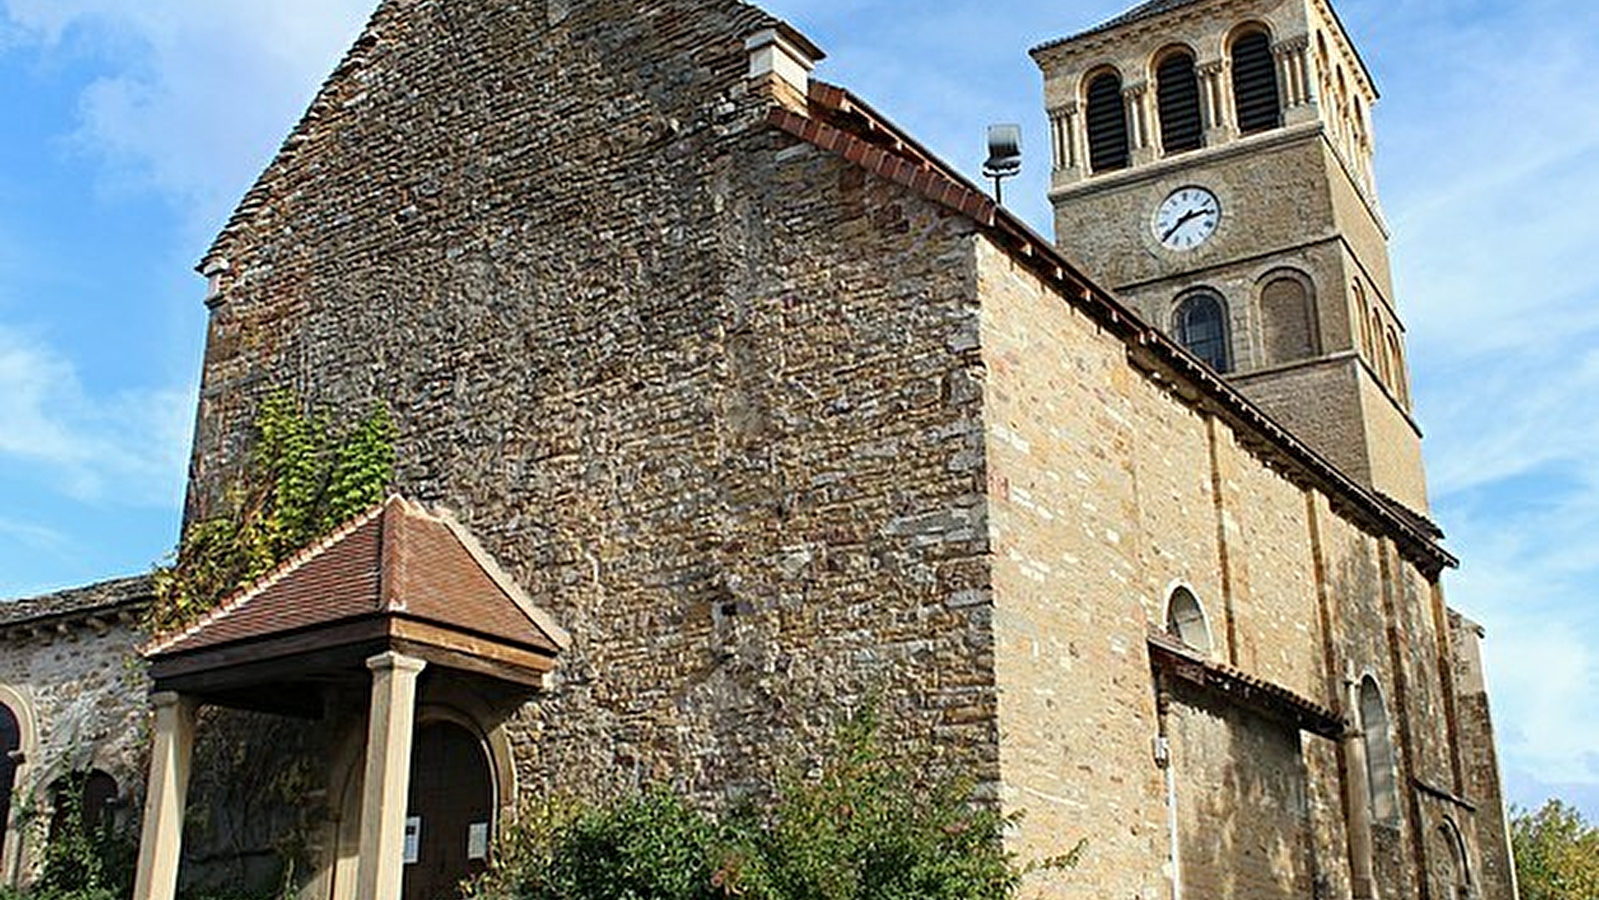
(451, 816)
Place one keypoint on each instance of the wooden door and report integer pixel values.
(450, 820)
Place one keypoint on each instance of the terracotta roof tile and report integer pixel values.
(394, 560)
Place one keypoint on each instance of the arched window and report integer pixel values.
(1379, 355)
(1396, 364)
(84, 803)
(1457, 875)
(1360, 317)
(1200, 324)
(1107, 124)
(1255, 84)
(1185, 620)
(1288, 320)
(10, 749)
(1382, 777)
(1177, 94)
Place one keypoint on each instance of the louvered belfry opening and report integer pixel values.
(1255, 84)
(1177, 93)
(1107, 124)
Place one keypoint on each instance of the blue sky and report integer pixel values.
(133, 126)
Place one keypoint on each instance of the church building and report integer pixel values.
(724, 407)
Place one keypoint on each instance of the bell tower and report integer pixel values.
(1213, 165)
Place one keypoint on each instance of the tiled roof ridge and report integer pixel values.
(112, 593)
(917, 170)
(1287, 695)
(161, 642)
(857, 133)
(393, 555)
(1139, 13)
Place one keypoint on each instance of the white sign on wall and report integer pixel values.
(413, 839)
(477, 841)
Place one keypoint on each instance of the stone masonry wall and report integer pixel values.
(703, 393)
(1107, 491)
(772, 437)
(81, 703)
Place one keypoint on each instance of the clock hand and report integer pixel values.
(1181, 221)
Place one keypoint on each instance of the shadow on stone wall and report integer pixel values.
(257, 803)
(1243, 820)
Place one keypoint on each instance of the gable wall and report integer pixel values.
(703, 393)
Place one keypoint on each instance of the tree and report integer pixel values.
(1557, 853)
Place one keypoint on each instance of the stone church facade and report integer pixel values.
(724, 407)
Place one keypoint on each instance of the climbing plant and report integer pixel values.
(87, 856)
(302, 479)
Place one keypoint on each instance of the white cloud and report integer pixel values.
(36, 537)
(199, 95)
(130, 448)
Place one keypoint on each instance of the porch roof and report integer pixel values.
(395, 578)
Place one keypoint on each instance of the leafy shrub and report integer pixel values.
(84, 859)
(861, 826)
(649, 847)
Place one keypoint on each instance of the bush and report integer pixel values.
(84, 859)
(860, 826)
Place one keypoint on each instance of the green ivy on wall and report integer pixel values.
(302, 480)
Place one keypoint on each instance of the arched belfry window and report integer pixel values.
(1382, 776)
(1108, 147)
(1185, 620)
(1200, 324)
(1287, 320)
(1177, 94)
(1255, 84)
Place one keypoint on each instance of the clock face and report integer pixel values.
(1187, 218)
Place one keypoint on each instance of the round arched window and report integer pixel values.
(1255, 84)
(1177, 97)
(1382, 777)
(1200, 323)
(1185, 620)
(1108, 146)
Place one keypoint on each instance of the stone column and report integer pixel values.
(1064, 125)
(1294, 79)
(171, 753)
(1139, 138)
(387, 777)
(1357, 799)
(1215, 102)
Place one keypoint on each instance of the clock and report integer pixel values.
(1186, 218)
